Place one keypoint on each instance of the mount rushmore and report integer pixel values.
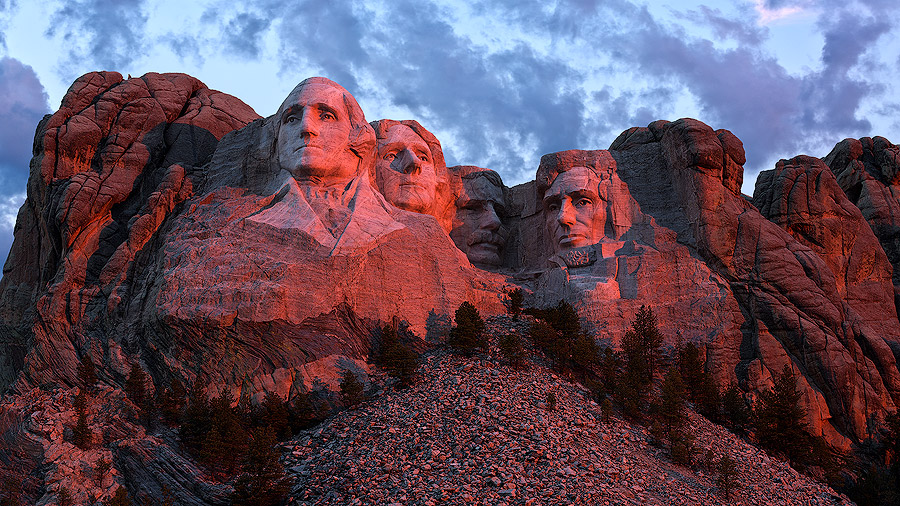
(168, 225)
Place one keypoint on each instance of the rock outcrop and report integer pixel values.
(868, 170)
(168, 225)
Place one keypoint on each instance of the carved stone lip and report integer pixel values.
(569, 239)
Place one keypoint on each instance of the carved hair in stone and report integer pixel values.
(571, 187)
(478, 229)
(410, 170)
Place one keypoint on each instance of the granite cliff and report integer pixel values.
(168, 225)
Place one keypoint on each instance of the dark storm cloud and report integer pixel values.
(494, 102)
(505, 107)
(327, 35)
(727, 28)
(22, 104)
(244, 34)
(111, 29)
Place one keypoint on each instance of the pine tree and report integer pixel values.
(226, 440)
(171, 402)
(699, 385)
(734, 408)
(197, 418)
(397, 358)
(513, 351)
(136, 388)
(120, 498)
(727, 476)
(514, 300)
(82, 436)
(468, 334)
(351, 389)
(640, 356)
(302, 413)
(87, 373)
(779, 419)
(641, 346)
(263, 482)
(274, 414)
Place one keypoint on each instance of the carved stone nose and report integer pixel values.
(409, 163)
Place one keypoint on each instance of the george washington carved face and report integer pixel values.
(322, 135)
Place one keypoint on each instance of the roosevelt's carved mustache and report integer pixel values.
(486, 236)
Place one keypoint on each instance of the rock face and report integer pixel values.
(868, 170)
(167, 225)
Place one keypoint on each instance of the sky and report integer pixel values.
(499, 82)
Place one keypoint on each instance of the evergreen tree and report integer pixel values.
(302, 414)
(727, 476)
(120, 498)
(513, 351)
(82, 435)
(351, 390)
(542, 334)
(87, 373)
(263, 482)
(641, 347)
(197, 418)
(274, 414)
(136, 388)
(514, 300)
(585, 354)
(669, 411)
(468, 334)
(779, 419)
(225, 442)
(609, 369)
(699, 385)
(397, 358)
(734, 408)
(171, 402)
(670, 407)
(640, 356)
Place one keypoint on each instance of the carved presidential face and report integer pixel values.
(404, 170)
(477, 229)
(314, 136)
(574, 212)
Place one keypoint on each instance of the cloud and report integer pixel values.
(109, 32)
(23, 102)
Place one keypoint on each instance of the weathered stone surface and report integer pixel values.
(167, 225)
(478, 228)
(868, 170)
(410, 170)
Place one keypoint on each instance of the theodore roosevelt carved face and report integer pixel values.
(478, 230)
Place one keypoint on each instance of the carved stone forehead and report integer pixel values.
(401, 132)
(354, 111)
(600, 162)
(481, 188)
(572, 180)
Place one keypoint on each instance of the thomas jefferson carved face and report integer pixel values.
(404, 170)
(314, 136)
(574, 212)
(477, 230)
